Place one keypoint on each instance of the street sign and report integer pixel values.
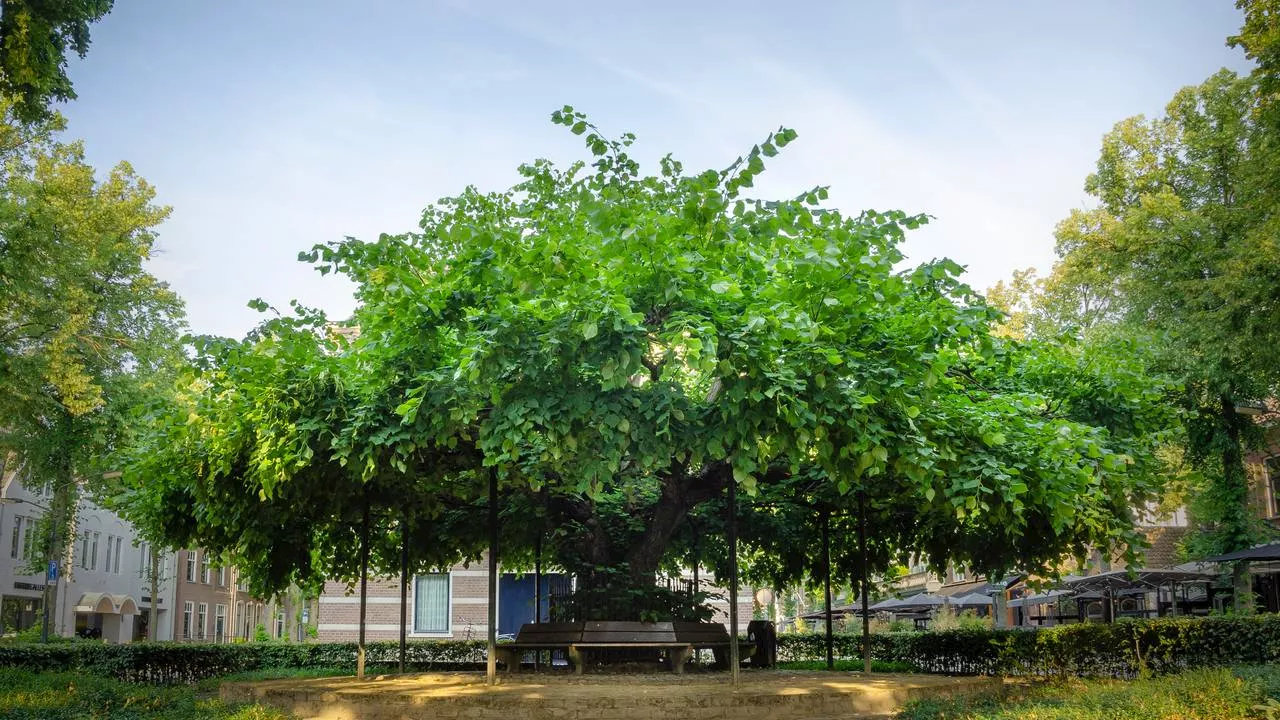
(52, 575)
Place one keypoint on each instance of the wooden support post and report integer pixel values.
(826, 581)
(364, 584)
(733, 580)
(404, 589)
(537, 592)
(866, 582)
(491, 676)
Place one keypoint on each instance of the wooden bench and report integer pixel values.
(539, 636)
(630, 635)
(713, 637)
(578, 640)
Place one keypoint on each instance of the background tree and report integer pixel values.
(84, 328)
(35, 38)
(1180, 248)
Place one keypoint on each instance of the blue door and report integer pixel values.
(515, 599)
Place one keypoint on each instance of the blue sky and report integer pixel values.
(272, 125)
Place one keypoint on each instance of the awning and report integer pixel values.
(106, 603)
(972, 600)
(1260, 552)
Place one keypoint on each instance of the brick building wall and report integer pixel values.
(229, 611)
(468, 612)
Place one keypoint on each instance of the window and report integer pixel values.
(202, 620)
(1273, 475)
(187, 608)
(204, 568)
(143, 549)
(219, 622)
(111, 546)
(116, 568)
(222, 577)
(84, 550)
(28, 537)
(93, 551)
(431, 604)
(240, 619)
(16, 548)
(191, 566)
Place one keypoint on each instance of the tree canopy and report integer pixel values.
(35, 38)
(618, 348)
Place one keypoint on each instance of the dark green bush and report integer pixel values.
(162, 663)
(1124, 649)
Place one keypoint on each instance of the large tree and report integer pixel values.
(1180, 249)
(84, 327)
(619, 349)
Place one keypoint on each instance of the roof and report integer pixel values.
(1164, 546)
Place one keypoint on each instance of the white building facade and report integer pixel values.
(103, 589)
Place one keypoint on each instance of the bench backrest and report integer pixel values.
(628, 632)
(550, 633)
(699, 632)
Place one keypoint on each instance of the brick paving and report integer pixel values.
(786, 695)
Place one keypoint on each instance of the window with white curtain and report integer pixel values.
(431, 603)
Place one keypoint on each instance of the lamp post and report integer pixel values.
(51, 571)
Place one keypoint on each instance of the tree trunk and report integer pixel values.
(153, 612)
(364, 586)
(491, 664)
(1236, 482)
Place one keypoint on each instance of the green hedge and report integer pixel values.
(1123, 649)
(162, 663)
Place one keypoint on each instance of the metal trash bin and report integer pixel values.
(765, 635)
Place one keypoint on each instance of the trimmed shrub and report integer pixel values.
(164, 663)
(1125, 649)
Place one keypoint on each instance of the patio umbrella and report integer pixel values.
(923, 600)
(1260, 552)
(1041, 598)
(972, 600)
(889, 604)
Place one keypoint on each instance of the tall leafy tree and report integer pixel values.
(84, 326)
(1178, 245)
(620, 348)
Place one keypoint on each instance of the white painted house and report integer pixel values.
(103, 587)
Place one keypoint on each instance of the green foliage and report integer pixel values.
(616, 349)
(85, 330)
(168, 663)
(1123, 649)
(35, 38)
(73, 696)
(1181, 254)
(1197, 695)
(879, 666)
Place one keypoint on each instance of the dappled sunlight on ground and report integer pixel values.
(778, 694)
